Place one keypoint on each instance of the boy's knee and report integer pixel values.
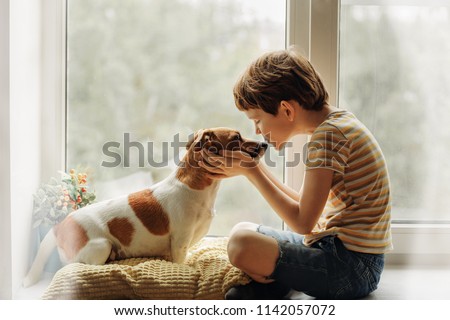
(239, 246)
(243, 226)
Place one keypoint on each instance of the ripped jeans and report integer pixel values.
(326, 269)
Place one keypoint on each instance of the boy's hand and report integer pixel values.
(227, 164)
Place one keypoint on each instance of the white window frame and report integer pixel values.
(54, 75)
(313, 25)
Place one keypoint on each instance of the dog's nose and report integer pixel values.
(264, 145)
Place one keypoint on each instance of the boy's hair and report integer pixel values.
(276, 76)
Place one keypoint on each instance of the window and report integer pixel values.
(143, 75)
(420, 231)
(394, 75)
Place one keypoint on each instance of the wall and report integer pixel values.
(32, 65)
(5, 199)
(25, 131)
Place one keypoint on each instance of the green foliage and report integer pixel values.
(154, 69)
(393, 71)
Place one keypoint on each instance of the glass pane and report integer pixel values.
(395, 76)
(143, 75)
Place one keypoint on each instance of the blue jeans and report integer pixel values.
(326, 269)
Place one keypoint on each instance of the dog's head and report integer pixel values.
(218, 139)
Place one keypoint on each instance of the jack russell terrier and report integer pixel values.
(162, 221)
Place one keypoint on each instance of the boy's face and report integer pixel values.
(276, 130)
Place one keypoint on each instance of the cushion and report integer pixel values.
(206, 274)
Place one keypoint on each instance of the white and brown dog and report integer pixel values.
(162, 221)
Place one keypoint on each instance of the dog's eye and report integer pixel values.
(237, 137)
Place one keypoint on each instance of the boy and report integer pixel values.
(340, 219)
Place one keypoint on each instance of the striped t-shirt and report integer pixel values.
(358, 208)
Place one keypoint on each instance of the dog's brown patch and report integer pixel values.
(71, 237)
(150, 212)
(193, 177)
(122, 229)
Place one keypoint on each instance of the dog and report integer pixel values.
(162, 221)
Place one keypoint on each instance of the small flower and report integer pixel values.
(54, 200)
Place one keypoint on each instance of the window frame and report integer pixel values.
(305, 29)
(54, 88)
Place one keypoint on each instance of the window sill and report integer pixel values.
(420, 244)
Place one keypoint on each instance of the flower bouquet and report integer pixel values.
(55, 200)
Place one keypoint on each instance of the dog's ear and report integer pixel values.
(199, 138)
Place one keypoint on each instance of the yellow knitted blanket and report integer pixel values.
(206, 274)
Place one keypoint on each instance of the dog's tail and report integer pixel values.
(46, 248)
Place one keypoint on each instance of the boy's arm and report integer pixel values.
(300, 211)
(301, 216)
(295, 195)
(233, 163)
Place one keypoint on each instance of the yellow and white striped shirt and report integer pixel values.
(358, 209)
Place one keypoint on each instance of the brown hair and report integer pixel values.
(276, 76)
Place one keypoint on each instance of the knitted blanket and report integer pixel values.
(206, 274)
